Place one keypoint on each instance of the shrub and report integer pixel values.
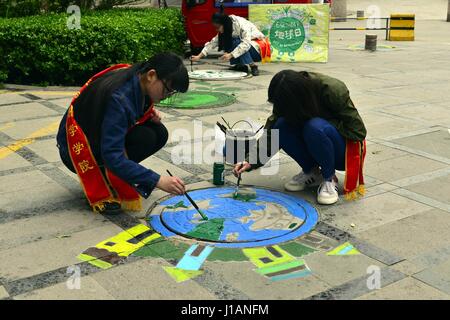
(41, 49)
(22, 8)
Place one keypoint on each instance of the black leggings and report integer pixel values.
(144, 140)
(140, 143)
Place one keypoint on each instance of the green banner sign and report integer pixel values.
(297, 32)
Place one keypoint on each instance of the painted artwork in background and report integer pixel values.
(217, 75)
(196, 99)
(297, 32)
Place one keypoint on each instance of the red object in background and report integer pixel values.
(197, 17)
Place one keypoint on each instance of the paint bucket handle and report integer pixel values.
(251, 126)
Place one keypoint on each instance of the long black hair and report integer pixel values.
(89, 107)
(294, 96)
(225, 38)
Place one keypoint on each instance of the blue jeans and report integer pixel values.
(314, 143)
(249, 57)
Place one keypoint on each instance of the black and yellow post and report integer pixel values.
(401, 27)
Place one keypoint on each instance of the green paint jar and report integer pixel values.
(218, 171)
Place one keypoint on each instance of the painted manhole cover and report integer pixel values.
(270, 218)
(217, 75)
(380, 47)
(198, 99)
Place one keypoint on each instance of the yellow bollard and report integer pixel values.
(401, 27)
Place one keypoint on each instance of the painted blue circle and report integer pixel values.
(272, 217)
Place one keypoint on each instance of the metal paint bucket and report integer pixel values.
(238, 142)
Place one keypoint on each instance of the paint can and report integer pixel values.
(371, 42)
(218, 173)
(239, 142)
(360, 13)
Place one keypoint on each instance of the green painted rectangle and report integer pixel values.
(280, 267)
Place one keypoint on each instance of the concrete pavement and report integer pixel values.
(400, 226)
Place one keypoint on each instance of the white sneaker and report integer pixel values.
(302, 180)
(328, 192)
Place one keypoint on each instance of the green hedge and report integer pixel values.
(42, 50)
(22, 8)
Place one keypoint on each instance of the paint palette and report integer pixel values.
(217, 75)
(270, 218)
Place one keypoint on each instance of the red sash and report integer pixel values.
(98, 188)
(264, 46)
(355, 153)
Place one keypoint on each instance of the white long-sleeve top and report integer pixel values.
(243, 29)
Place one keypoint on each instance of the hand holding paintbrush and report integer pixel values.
(192, 202)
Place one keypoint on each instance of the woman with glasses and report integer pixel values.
(111, 126)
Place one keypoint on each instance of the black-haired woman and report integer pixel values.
(320, 128)
(241, 40)
(111, 126)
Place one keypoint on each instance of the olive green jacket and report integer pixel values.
(335, 106)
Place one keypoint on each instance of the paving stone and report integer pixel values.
(438, 189)
(359, 286)
(255, 97)
(371, 212)
(25, 111)
(62, 95)
(13, 161)
(26, 190)
(377, 152)
(89, 290)
(407, 267)
(426, 112)
(63, 102)
(406, 289)
(436, 276)
(22, 129)
(57, 224)
(432, 258)
(9, 98)
(146, 279)
(3, 293)
(242, 277)
(46, 149)
(413, 235)
(336, 270)
(184, 130)
(434, 142)
(401, 167)
(46, 255)
(380, 125)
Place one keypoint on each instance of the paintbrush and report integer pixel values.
(259, 129)
(192, 201)
(228, 125)
(221, 127)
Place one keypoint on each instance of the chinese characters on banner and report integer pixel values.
(297, 32)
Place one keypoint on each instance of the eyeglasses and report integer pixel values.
(168, 91)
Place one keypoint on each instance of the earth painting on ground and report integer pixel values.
(269, 218)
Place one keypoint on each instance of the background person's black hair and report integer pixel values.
(89, 108)
(225, 38)
(294, 96)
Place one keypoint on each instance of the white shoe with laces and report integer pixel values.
(302, 180)
(328, 192)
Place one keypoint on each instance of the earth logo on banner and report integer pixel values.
(296, 32)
